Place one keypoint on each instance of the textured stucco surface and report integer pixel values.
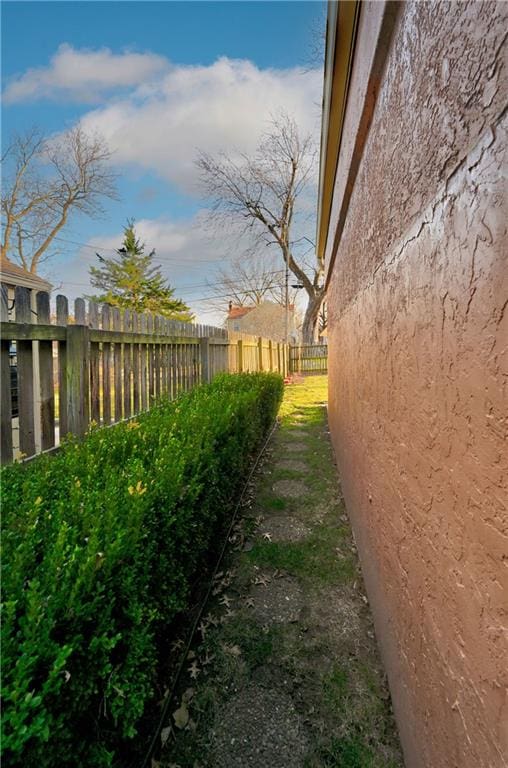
(418, 368)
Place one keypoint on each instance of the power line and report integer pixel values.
(192, 287)
(96, 248)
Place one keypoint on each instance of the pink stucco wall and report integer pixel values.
(418, 367)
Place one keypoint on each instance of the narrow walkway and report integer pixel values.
(285, 673)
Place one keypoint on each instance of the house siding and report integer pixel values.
(418, 332)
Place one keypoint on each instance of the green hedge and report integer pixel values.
(100, 544)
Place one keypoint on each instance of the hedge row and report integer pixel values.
(100, 545)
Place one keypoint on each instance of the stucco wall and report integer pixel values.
(418, 335)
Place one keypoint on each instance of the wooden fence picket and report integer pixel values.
(47, 392)
(6, 394)
(24, 356)
(106, 367)
(110, 365)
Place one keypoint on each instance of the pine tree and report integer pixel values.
(131, 281)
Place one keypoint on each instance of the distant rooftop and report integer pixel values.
(13, 274)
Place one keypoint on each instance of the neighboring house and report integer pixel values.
(12, 275)
(266, 319)
(412, 225)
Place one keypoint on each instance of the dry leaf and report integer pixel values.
(165, 735)
(202, 629)
(194, 670)
(233, 650)
(187, 695)
(181, 716)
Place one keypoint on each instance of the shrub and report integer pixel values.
(101, 543)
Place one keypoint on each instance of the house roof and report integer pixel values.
(13, 274)
(236, 312)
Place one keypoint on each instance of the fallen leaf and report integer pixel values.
(165, 733)
(233, 650)
(249, 602)
(187, 695)
(181, 716)
(267, 536)
(202, 629)
(225, 600)
(194, 670)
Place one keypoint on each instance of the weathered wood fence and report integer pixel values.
(103, 365)
(310, 358)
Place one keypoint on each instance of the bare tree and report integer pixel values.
(262, 191)
(44, 182)
(249, 282)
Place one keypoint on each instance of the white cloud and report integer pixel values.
(157, 115)
(224, 106)
(83, 75)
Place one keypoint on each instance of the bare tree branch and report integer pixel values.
(45, 182)
(248, 283)
(262, 191)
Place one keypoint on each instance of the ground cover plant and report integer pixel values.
(101, 543)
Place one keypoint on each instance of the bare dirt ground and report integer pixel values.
(285, 671)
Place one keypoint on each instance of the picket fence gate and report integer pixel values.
(309, 358)
(102, 365)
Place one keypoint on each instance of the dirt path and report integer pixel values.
(285, 672)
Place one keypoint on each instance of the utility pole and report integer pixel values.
(287, 302)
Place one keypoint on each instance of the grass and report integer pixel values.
(313, 560)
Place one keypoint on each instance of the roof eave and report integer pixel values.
(342, 23)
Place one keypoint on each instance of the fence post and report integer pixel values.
(204, 347)
(24, 355)
(260, 354)
(77, 374)
(62, 317)
(6, 440)
(47, 395)
(240, 355)
(270, 354)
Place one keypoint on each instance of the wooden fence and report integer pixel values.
(103, 365)
(310, 358)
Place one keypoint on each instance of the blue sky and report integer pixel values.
(158, 80)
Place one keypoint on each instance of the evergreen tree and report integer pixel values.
(131, 281)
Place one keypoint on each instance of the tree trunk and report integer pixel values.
(310, 320)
